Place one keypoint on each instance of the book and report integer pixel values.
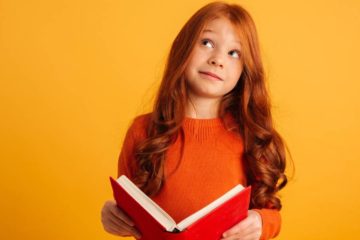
(154, 223)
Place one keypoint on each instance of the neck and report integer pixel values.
(202, 107)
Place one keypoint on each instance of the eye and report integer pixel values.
(235, 53)
(207, 42)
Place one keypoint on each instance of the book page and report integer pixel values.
(207, 209)
(147, 203)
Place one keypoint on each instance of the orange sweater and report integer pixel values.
(211, 165)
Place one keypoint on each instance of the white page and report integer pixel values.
(204, 211)
(148, 204)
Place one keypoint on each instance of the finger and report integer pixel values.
(120, 218)
(238, 235)
(238, 228)
(120, 224)
(136, 233)
(233, 237)
(129, 229)
(116, 211)
(115, 218)
(252, 236)
(110, 227)
(241, 237)
(251, 233)
(123, 229)
(115, 231)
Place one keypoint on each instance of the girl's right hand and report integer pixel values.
(116, 222)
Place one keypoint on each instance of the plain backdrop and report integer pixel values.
(74, 73)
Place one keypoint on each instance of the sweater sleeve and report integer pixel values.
(134, 134)
(126, 154)
(271, 222)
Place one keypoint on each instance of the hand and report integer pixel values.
(116, 222)
(248, 229)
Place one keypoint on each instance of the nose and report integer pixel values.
(216, 61)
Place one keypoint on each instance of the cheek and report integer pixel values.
(238, 67)
(197, 58)
(190, 67)
(232, 84)
(235, 73)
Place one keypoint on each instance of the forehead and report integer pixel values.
(222, 27)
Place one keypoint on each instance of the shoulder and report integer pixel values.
(139, 124)
(141, 121)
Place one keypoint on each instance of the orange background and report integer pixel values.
(74, 73)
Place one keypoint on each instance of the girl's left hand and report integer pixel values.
(248, 229)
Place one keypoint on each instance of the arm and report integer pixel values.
(114, 219)
(135, 133)
(126, 155)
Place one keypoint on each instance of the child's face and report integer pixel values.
(217, 51)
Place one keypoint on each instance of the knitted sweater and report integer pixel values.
(210, 165)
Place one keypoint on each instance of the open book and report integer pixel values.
(207, 223)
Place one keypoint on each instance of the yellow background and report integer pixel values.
(73, 73)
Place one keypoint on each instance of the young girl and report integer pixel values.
(211, 128)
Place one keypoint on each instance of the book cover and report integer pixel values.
(209, 227)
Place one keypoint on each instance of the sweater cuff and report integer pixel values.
(271, 222)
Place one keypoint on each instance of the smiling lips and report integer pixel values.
(211, 74)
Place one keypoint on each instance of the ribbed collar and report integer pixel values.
(202, 122)
(204, 128)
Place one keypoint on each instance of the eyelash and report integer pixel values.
(208, 40)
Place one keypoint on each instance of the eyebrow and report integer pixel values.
(211, 31)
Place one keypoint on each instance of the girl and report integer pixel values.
(210, 129)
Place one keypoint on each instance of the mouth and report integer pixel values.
(212, 75)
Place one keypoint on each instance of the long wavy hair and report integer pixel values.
(249, 104)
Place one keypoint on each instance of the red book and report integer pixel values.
(154, 223)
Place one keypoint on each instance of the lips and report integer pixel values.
(211, 74)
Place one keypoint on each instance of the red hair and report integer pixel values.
(249, 104)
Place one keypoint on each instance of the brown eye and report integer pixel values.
(207, 42)
(235, 54)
